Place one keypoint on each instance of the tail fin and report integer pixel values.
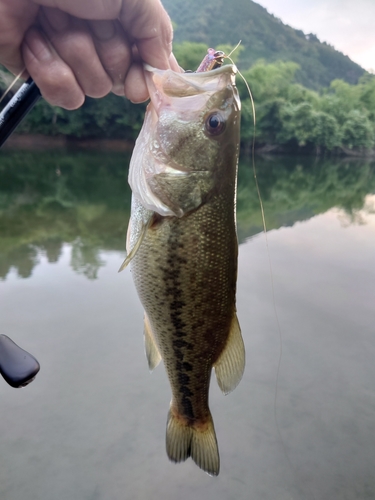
(197, 442)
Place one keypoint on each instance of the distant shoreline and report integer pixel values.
(341, 151)
(38, 142)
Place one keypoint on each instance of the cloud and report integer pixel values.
(345, 24)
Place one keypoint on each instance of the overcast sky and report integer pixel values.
(348, 25)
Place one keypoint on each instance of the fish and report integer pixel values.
(182, 245)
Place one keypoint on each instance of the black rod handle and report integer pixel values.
(17, 366)
(17, 108)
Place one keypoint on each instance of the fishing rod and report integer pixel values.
(17, 366)
(17, 108)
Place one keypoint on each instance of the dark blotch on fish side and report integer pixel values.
(183, 378)
(184, 389)
(177, 304)
(178, 324)
(179, 354)
(180, 333)
(181, 343)
(17, 366)
(187, 367)
(176, 293)
(188, 408)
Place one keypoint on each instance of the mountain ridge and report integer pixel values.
(264, 36)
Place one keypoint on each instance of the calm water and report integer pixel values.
(92, 424)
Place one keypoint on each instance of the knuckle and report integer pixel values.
(59, 87)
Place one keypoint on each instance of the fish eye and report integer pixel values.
(215, 123)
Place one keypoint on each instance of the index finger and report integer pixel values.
(149, 26)
(86, 9)
(145, 22)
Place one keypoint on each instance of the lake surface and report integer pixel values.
(92, 424)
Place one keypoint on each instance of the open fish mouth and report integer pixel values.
(168, 83)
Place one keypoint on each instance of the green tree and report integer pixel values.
(112, 116)
(358, 131)
(189, 54)
(325, 131)
(288, 114)
(297, 123)
(268, 81)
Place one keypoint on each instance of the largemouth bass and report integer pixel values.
(182, 245)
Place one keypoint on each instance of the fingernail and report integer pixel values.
(103, 30)
(118, 89)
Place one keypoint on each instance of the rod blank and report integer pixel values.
(17, 108)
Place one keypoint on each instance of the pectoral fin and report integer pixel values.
(152, 351)
(140, 221)
(230, 366)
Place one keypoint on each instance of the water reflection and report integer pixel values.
(92, 424)
(84, 199)
(49, 199)
(295, 189)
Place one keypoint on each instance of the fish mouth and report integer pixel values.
(167, 87)
(168, 171)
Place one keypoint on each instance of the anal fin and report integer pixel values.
(152, 351)
(230, 366)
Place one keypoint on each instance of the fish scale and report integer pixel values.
(176, 264)
(183, 248)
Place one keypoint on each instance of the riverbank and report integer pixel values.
(39, 142)
(278, 149)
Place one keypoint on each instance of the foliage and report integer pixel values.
(189, 55)
(83, 198)
(216, 22)
(297, 188)
(50, 198)
(338, 118)
(358, 132)
(292, 116)
(113, 116)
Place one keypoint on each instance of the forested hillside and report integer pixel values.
(217, 22)
(308, 97)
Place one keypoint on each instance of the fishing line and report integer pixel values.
(271, 277)
(295, 474)
(12, 85)
(231, 52)
(266, 238)
(268, 255)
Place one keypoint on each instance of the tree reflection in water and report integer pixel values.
(83, 199)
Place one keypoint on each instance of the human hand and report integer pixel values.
(73, 48)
